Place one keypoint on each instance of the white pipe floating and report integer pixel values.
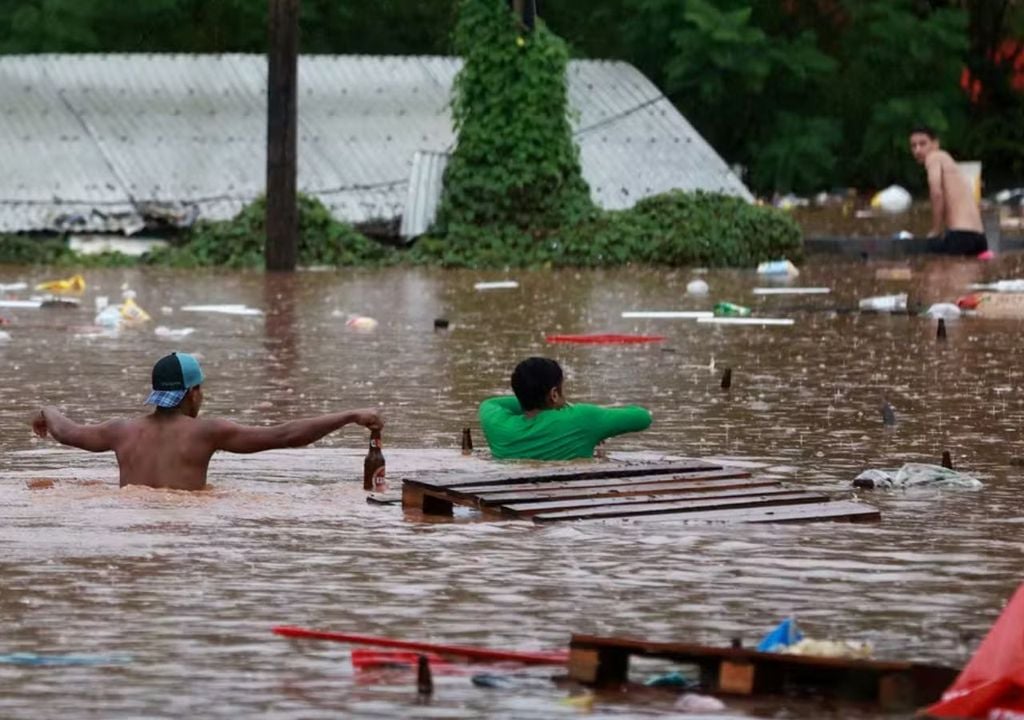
(33, 304)
(792, 291)
(496, 285)
(668, 314)
(223, 309)
(746, 321)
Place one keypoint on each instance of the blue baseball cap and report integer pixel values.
(173, 376)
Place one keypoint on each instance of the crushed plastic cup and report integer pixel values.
(885, 303)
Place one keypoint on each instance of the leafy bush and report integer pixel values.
(48, 250)
(238, 243)
(515, 163)
(674, 228)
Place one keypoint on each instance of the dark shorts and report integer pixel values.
(958, 242)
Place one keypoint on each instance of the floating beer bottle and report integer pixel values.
(373, 466)
(467, 442)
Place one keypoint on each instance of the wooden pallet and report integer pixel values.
(696, 490)
(604, 662)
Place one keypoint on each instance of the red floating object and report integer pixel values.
(606, 339)
(365, 659)
(473, 653)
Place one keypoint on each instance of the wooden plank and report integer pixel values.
(532, 508)
(838, 511)
(892, 684)
(598, 482)
(555, 471)
(784, 499)
(622, 490)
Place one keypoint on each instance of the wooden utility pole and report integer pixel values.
(525, 11)
(282, 243)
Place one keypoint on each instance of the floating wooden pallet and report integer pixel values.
(604, 662)
(696, 490)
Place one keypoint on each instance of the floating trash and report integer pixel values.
(915, 475)
(945, 311)
(235, 309)
(496, 285)
(698, 704)
(4, 336)
(668, 314)
(21, 304)
(697, 287)
(728, 309)
(892, 200)
(167, 333)
(36, 660)
(792, 291)
(361, 322)
(73, 284)
(778, 267)
(1007, 286)
(13, 287)
(745, 321)
(885, 303)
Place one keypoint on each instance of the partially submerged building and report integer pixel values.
(116, 143)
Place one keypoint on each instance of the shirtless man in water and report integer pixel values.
(171, 447)
(954, 209)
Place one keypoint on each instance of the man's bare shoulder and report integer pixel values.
(939, 158)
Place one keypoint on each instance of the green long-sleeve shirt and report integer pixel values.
(564, 434)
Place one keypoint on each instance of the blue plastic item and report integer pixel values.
(785, 634)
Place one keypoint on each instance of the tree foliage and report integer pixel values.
(804, 93)
(515, 162)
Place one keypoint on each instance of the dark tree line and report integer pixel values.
(805, 94)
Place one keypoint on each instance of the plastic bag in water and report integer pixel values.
(915, 475)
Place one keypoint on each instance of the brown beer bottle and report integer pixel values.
(467, 442)
(373, 466)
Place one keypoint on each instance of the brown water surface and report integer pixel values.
(188, 585)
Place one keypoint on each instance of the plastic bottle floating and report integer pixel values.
(74, 284)
(728, 309)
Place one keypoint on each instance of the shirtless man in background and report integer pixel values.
(956, 222)
(171, 447)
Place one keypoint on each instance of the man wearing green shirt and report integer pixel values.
(538, 424)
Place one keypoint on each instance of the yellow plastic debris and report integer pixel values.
(73, 284)
(132, 313)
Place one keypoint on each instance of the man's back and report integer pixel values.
(563, 434)
(961, 209)
(161, 450)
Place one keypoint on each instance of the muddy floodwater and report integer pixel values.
(177, 592)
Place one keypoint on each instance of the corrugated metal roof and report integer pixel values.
(91, 141)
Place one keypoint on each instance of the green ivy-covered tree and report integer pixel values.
(515, 164)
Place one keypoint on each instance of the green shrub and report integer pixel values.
(515, 163)
(675, 229)
(239, 242)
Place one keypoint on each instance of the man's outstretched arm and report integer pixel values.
(232, 437)
(94, 438)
